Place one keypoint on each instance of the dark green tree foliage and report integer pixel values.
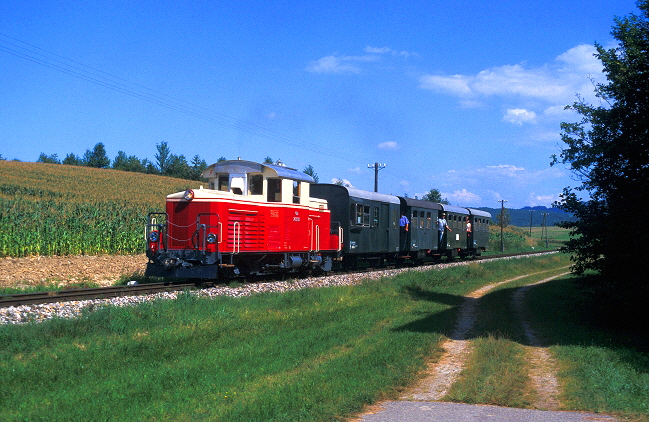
(72, 160)
(197, 168)
(97, 157)
(50, 159)
(608, 151)
(163, 157)
(434, 195)
(311, 172)
(128, 163)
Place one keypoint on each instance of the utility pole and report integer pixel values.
(376, 167)
(545, 228)
(531, 211)
(502, 223)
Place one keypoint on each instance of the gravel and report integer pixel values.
(38, 313)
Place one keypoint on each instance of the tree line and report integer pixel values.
(166, 163)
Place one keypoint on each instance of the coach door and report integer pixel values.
(384, 224)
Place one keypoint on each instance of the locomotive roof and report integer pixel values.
(243, 166)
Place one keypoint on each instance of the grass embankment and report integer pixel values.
(604, 358)
(314, 354)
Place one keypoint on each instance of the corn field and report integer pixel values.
(53, 209)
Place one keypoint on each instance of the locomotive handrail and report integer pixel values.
(204, 227)
(161, 227)
(236, 237)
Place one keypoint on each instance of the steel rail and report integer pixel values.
(68, 295)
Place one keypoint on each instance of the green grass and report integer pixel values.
(496, 374)
(314, 354)
(605, 366)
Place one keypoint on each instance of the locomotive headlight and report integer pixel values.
(154, 236)
(211, 238)
(188, 195)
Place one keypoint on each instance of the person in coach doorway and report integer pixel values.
(404, 224)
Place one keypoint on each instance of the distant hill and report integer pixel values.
(521, 217)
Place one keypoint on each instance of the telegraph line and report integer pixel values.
(87, 73)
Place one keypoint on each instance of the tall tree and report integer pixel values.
(311, 172)
(608, 150)
(50, 159)
(97, 157)
(197, 168)
(163, 157)
(434, 195)
(72, 160)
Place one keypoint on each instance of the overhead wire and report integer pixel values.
(87, 73)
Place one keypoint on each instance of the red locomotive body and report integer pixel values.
(253, 219)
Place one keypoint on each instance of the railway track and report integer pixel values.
(69, 295)
(89, 293)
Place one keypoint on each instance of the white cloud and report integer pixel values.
(456, 84)
(388, 145)
(518, 116)
(388, 50)
(555, 83)
(332, 64)
(544, 200)
(345, 182)
(356, 170)
(462, 197)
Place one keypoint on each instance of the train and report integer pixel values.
(256, 219)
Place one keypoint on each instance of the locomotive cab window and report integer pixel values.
(224, 182)
(274, 190)
(256, 184)
(296, 192)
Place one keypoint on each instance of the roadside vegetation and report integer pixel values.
(313, 354)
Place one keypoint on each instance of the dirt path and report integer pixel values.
(440, 375)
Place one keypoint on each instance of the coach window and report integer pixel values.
(366, 215)
(256, 184)
(376, 216)
(274, 190)
(394, 219)
(356, 211)
(413, 223)
(429, 221)
(224, 184)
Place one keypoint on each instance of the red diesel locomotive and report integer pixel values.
(252, 219)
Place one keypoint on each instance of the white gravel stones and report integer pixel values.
(38, 313)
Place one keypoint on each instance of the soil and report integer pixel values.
(102, 270)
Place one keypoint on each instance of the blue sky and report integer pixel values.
(465, 97)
